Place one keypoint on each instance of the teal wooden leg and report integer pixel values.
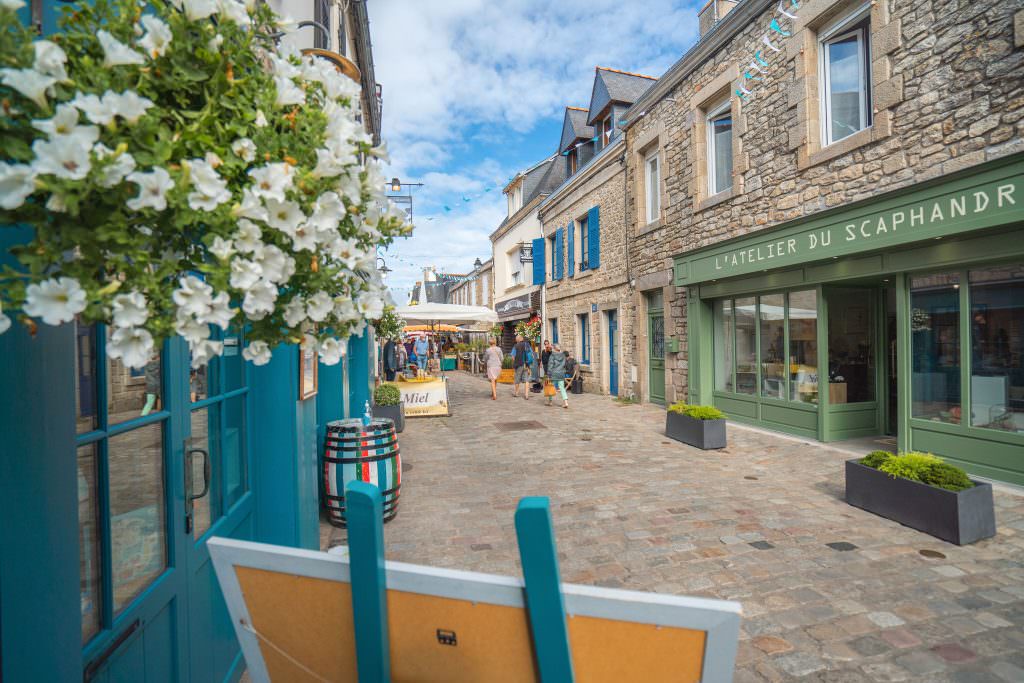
(543, 590)
(369, 599)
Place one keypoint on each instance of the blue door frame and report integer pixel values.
(613, 352)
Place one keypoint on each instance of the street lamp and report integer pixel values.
(382, 266)
(403, 199)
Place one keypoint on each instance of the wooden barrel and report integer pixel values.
(353, 452)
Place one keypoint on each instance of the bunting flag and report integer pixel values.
(755, 71)
(580, 144)
(468, 198)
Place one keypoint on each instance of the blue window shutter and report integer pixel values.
(559, 262)
(571, 252)
(538, 261)
(594, 228)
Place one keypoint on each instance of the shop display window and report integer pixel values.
(772, 315)
(803, 346)
(935, 347)
(997, 347)
(851, 346)
(745, 311)
(723, 345)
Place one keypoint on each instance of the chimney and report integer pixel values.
(713, 12)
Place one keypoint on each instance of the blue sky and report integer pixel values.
(475, 91)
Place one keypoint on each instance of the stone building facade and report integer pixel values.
(946, 94)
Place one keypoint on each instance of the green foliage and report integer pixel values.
(875, 458)
(697, 412)
(389, 325)
(498, 331)
(387, 395)
(506, 362)
(529, 329)
(922, 467)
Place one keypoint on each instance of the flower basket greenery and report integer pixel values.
(387, 395)
(529, 329)
(916, 466)
(697, 412)
(180, 172)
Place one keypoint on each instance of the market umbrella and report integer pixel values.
(439, 314)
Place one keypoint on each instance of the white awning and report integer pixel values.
(429, 313)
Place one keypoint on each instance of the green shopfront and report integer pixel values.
(902, 315)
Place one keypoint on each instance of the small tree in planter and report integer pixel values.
(700, 426)
(507, 375)
(387, 402)
(923, 492)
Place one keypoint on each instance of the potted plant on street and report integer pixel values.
(923, 492)
(508, 375)
(700, 426)
(387, 402)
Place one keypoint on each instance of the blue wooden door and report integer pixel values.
(613, 353)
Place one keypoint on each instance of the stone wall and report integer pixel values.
(606, 287)
(948, 93)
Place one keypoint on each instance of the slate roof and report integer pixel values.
(612, 85)
(540, 179)
(574, 127)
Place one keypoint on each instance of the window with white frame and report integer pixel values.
(515, 267)
(845, 76)
(652, 185)
(719, 124)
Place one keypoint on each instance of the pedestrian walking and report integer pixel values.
(522, 356)
(402, 356)
(545, 354)
(556, 373)
(390, 360)
(422, 348)
(492, 358)
(572, 369)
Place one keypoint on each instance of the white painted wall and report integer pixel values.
(526, 230)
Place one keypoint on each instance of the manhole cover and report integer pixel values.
(521, 426)
(934, 554)
(841, 546)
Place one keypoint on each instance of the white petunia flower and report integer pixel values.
(114, 173)
(261, 120)
(153, 188)
(158, 36)
(193, 296)
(190, 329)
(327, 214)
(129, 309)
(244, 273)
(359, 328)
(330, 351)
(50, 59)
(346, 251)
(259, 300)
(210, 189)
(128, 105)
(247, 239)
(285, 23)
(62, 123)
(101, 110)
(13, 5)
(65, 156)
(272, 180)
(199, 9)
(381, 152)
(287, 92)
(250, 207)
(234, 11)
(319, 306)
(304, 237)
(345, 310)
(5, 322)
(244, 149)
(294, 312)
(55, 301)
(286, 216)
(219, 312)
(29, 83)
(57, 203)
(205, 351)
(371, 307)
(133, 345)
(222, 248)
(258, 352)
(17, 182)
(116, 53)
(213, 160)
(277, 266)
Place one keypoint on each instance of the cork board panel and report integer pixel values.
(608, 650)
(310, 619)
(492, 641)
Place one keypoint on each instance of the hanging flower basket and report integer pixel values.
(180, 171)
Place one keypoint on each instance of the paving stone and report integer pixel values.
(921, 663)
(952, 652)
(799, 663)
(900, 637)
(991, 621)
(885, 671)
(948, 570)
(885, 619)
(771, 644)
(869, 646)
(1007, 671)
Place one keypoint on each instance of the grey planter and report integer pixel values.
(960, 517)
(396, 413)
(706, 434)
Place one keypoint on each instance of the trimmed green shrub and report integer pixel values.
(922, 467)
(506, 362)
(697, 412)
(875, 458)
(387, 395)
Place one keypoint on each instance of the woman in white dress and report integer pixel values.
(493, 357)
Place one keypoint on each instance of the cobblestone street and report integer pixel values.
(829, 592)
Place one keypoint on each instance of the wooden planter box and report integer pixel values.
(507, 376)
(960, 517)
(706, 434)
(395, 413)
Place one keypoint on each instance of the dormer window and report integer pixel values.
(573, 160)
(606, 131)
(515, 199)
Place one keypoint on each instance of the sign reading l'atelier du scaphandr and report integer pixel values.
(970, 209)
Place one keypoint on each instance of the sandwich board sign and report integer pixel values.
(301, 616)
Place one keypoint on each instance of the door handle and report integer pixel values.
(188, 475)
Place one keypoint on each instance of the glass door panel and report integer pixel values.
(851, 345)
(89, 542)
(202, 452)
(772, 315)
(935, 347)
(803, 346)
(746, 345)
